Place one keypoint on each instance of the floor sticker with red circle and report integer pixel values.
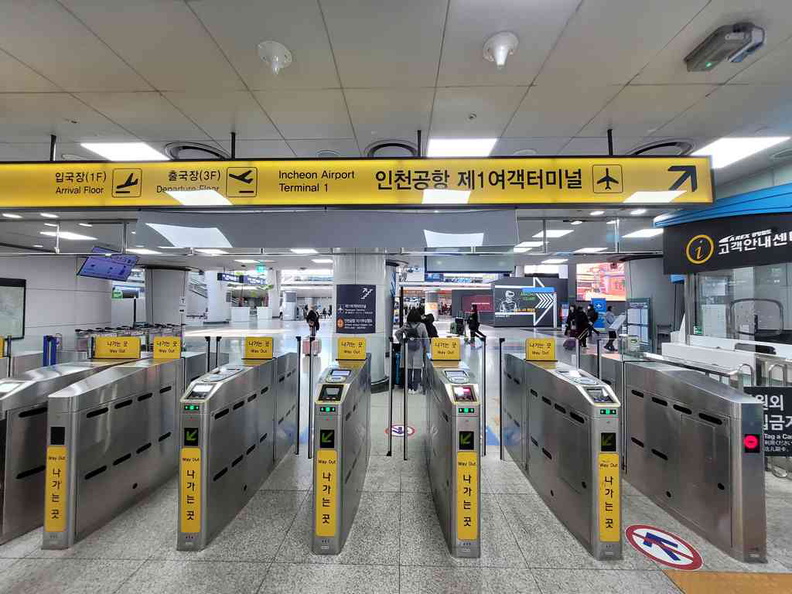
(398, 430)
(664, 547)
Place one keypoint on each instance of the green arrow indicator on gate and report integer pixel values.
(327, 438)
(190, 437)
(465, 438)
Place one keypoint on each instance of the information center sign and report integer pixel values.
(777, 403)
(355, 182)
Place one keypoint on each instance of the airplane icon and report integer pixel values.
(607, 179)
(129, 183)
(245, 177)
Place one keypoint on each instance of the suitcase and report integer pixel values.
(317, 346)
(569, 344)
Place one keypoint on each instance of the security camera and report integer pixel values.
(730, 42)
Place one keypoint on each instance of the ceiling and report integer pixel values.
(368, 70)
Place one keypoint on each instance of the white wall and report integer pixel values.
(645, 278)
(57, 300)
(775, 176)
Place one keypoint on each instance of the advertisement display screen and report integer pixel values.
(116, 267)
(483, 302)
(531, 305)
(601, 280)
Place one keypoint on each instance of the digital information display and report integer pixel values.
(116, 267)
(525, 305)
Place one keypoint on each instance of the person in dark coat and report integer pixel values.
(428, 321)
(474, 325)
(313, 321)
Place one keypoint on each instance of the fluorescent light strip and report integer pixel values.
(445, 197)
(529, 244)
(125, 151)
(654, 197)
(591, 250)
(726, 151)
(521, 250)
(597, 213)
(67, 235)
(10, 215)
(460, 147)
(246, 261)
(211, 251)
(143, 251)
(554, 233)
(643, 233)
(199, 197)
(555, 261)
(304, 251)
(48, 215)
(322, 260)
(638, 211)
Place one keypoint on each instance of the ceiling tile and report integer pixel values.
(16, 77)
(221, 112)
(640, 110)
(668, 66)
(559, 110)
(472, 22)
(345, 147)
(259, 149)
(728, 108)
(769, 67)
(163, 41)
(240, 25)
(24, 152)
(307, 114)
(32, 117)
(381, 43)
(506, 147)
(599, 146)
(149, 116)
(388, 113)
(492, 107)
(46, 37)
(609, 41)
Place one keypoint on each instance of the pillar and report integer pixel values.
(218, 308)
(290, 305)
(353, 276)
(432, 300)
(273, 295)
(166, 295)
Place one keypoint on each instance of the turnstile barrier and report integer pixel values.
(562, 429)
(453, 453)
(111, 440)
(695, 447)
(23, 434)
(342, 445)
(235, 426)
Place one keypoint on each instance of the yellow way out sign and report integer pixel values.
(356, 182)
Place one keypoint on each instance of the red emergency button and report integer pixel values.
(751, 443)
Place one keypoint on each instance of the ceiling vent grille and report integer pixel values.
(194, 151)
(665, 148)
(397, 149)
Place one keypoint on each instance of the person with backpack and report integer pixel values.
(415, 338)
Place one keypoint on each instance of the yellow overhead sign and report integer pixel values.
(258, 347)
(117, 347)
(446, 349)
(356, 182)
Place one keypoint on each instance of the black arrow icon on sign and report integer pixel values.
(130, 181)
(688, 172)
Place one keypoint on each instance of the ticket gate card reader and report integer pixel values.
(342, 445)
(572, 452)
(453, 453)
(227, 432)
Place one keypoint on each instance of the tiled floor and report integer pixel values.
(395, 545)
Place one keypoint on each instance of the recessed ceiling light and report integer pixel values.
(143, 251)
(726, 151)
(638, 211)
(445, 197)
(591, 250)
(555, 261)
(85, 224)
(521, 250)
(10, 215)
(529, 244)
(322, 260)
(37, 245)
(576, 223)
(460, 147)
(663, 197)
(67, 235)
(125, 151)
(211, 251)
(554, 233)
(643, 233)
(50, 224)
(48, 215)
(597, 213)
(304, 251)
(612, 222)
(246, 261)
(199, 197)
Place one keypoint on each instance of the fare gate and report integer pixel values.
(235, 426)
(342, 445)
(111, 440)
(562, 429)
(453, 451)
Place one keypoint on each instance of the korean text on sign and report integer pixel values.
(609, 498)
(55, 490)
(467, 496)
(326, 492)
(190, 470)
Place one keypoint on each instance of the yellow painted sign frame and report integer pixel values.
(355, 182)
(258, 347)
(190, 490)
(326, 493)
(56, 489)
(117, 347)
(167, 347)
(351, 348)
(540, 349)
(446, 349)
(467, 502)
(609, 498)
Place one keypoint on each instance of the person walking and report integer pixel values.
(324, 313)
(610, 317)
(474, 325)
(313, 322)
(415, 338)
(583, 325)
(428, 321)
